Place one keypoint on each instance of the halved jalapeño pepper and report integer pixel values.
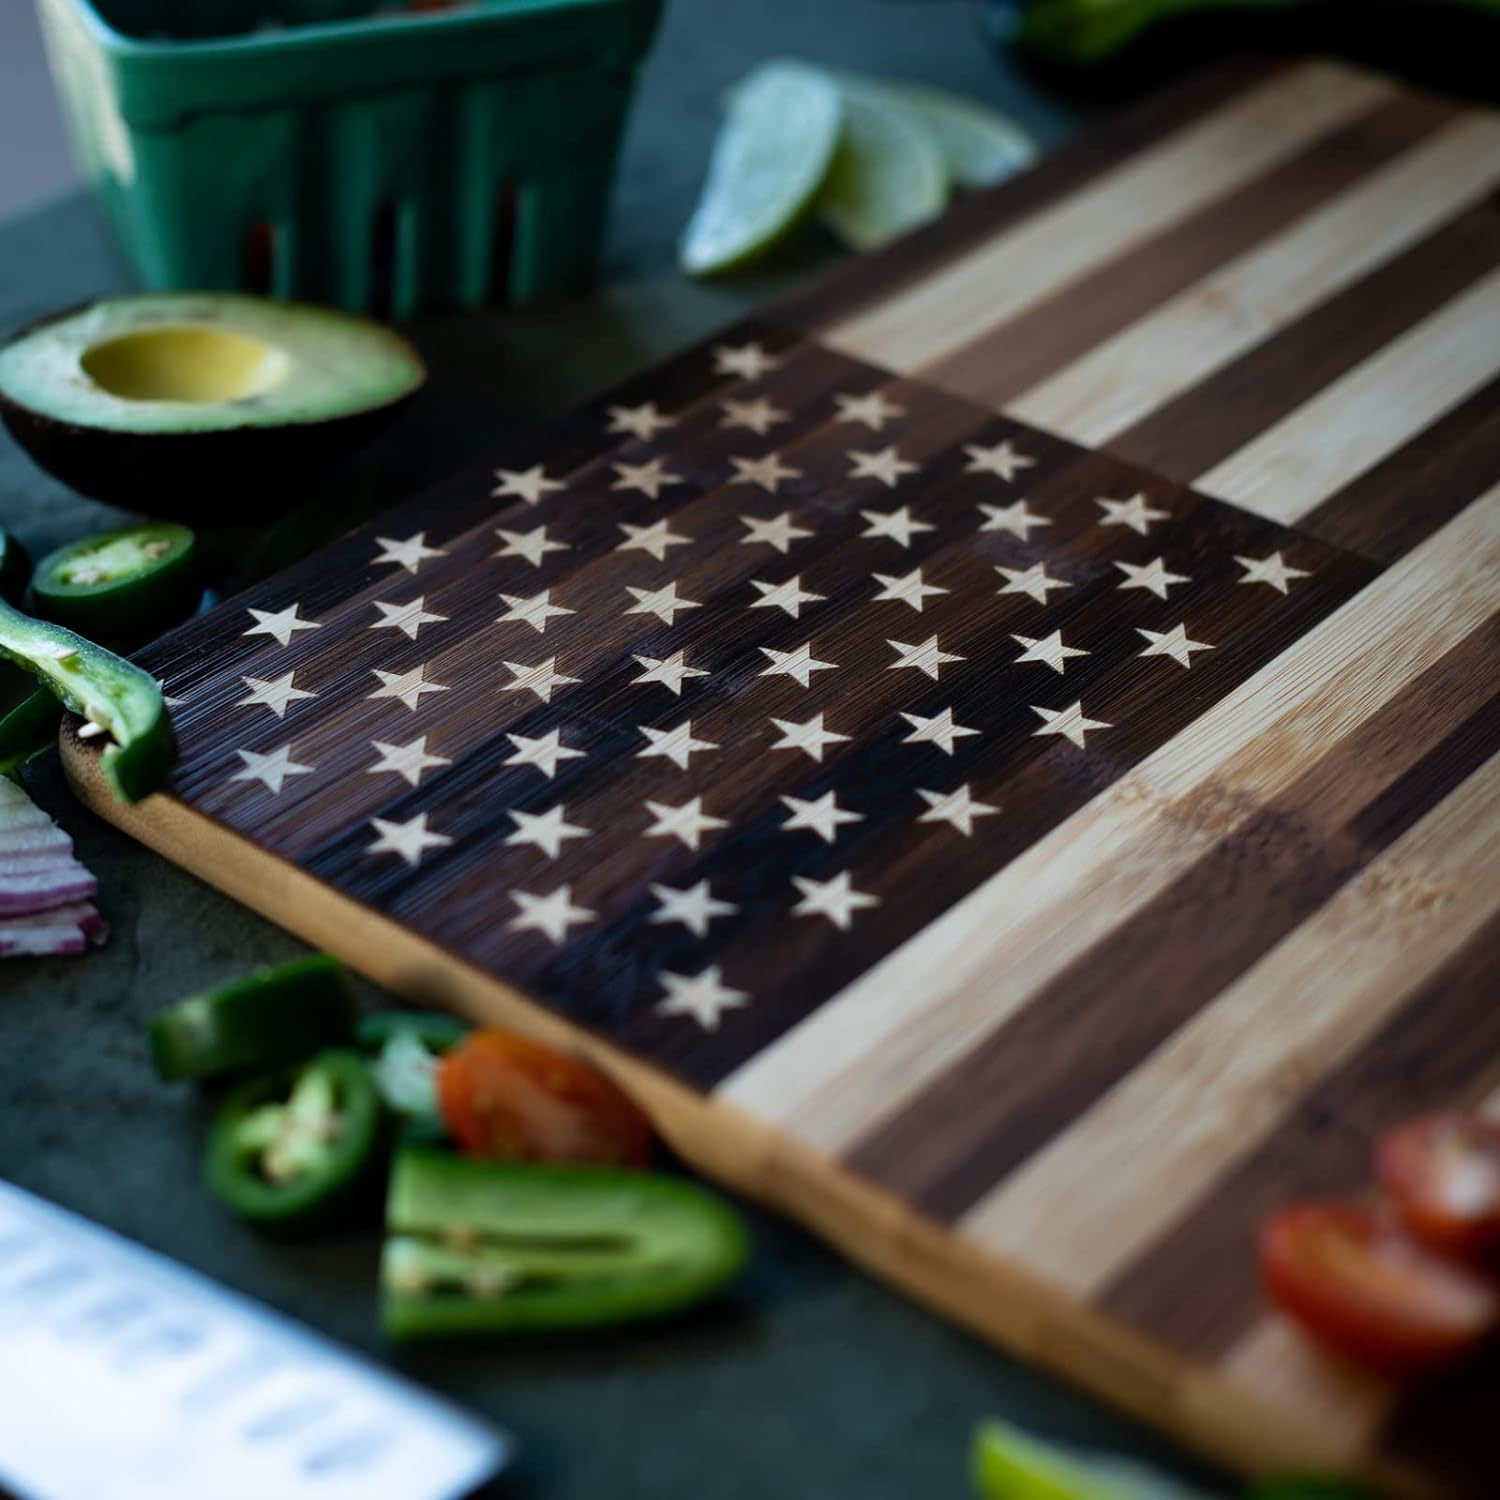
(476, 1247)
(103, 687)
(294, 1146)
(275, 1015)
(124, 586)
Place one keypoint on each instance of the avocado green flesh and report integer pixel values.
(204, 362)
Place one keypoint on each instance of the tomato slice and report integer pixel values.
(507, 1097)
(1442, 1173)
(1350, 1278)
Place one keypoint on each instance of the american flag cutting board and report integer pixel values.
(1000, 755)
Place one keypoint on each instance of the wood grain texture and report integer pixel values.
(1025, 850)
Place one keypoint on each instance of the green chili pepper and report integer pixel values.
(494, 1247)
(103, 687)
(295, 1145)
(28, 729)
(15, 567)
(270, 1017)
(406, 1047)
(124, 586)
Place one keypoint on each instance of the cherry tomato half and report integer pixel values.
(507, 1097)
(1442, 1173)
(1356, 1283)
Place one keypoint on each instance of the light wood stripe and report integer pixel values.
(908, 1018)
(1192, 335)
(1371, 412)
(1099, 1193)
(1191, 168)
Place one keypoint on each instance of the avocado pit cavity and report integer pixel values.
(185, 363)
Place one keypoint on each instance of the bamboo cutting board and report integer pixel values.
(1000, 755)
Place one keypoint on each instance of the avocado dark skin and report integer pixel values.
(235, 476)
(245, 475)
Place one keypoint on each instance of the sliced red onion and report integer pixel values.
(44, 891)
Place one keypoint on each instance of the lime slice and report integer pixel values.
(888, 175)
(768, 162)
(1006, 1464)
(980, 147)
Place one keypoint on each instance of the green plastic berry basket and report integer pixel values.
(385, 161)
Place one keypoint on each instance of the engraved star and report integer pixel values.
(821, 816)
(526, 484)
(767, 472)
(896, 525)
(1152, 576)
(650, 478)
(411, 839)
(662, 602)
(272, 769)
(1134, 513)
(407, 686)
(809, 736)
(790, 596)
(705, 997)
(409, 554)
(778, 532)
(1271, 570)
(667, 670)
(543, 752)
(281, 625)
(1069, 722)
(874, 410)
(907, 589)
(1049, 650)
(545, 830)
(1034, 581)
(748, 361)
(694, 906)
(1173, 643)
(835, 899)
(885, 464)
(535, 611)
(532, 545)
(758, 415)
(925, 657)
(687, 822)
(956, 807)
(407, 618)
(551, 914)
(654, 539)
(800, 663)
(643, 421)
(1000, 459)
(405, 761)
(540, 679)
(677, 744)
(940, 730)
(275, 694)
(1017, 518)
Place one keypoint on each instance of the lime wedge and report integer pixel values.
(888, 174)
(980, 147)
(1006, 1464)
(771, 157)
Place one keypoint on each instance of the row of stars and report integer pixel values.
(779, 532)
(666, 603)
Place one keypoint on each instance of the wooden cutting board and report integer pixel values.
(999, 755)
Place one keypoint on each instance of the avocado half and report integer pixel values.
(204, 407)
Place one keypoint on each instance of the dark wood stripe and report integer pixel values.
(1050, 334)
(850, 285)
(1196, 1286)
(1106, 1012)
(1189, 435)
(1386, 511)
